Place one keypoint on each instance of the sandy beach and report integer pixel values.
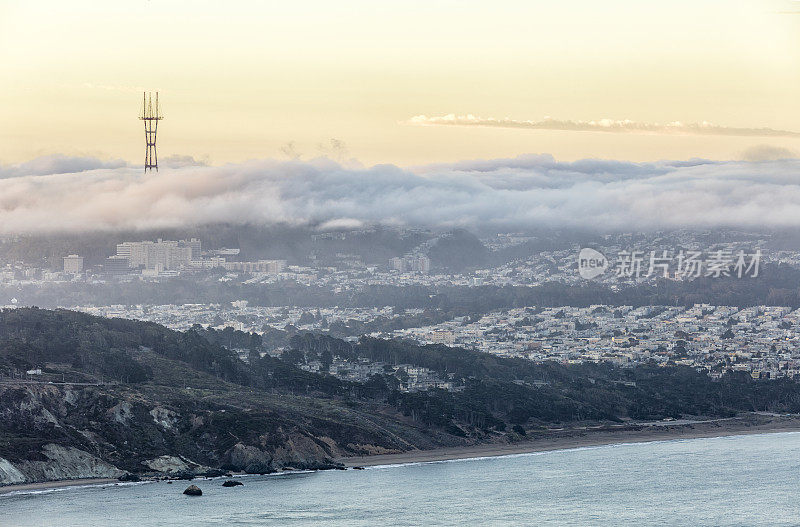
(562, 439)
(43, 485)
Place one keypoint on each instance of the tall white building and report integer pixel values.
(161, 255)
(73, 264)
(420, 264)
(195, 246)
(397, 264)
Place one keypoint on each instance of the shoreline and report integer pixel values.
(543, 441)
(55, 484)
(579, 438)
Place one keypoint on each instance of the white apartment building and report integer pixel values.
(261, 266)
(419, 264)
(161, 255)
(73, 264)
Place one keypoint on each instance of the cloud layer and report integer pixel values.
(527, 191)
(57, 164)
(602, 125)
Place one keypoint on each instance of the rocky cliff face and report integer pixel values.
(53, 432)
(9, 474)
(58, 463)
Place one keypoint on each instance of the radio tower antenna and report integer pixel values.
(150, 114)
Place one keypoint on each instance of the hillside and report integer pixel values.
(128, 396)
(118, 397)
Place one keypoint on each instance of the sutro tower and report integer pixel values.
(151, 114)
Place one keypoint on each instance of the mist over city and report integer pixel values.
(525, 192)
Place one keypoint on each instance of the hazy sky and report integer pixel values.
(241, 79)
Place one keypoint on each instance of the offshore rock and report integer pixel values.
(193, 490)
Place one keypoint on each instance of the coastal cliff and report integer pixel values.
(52, 432)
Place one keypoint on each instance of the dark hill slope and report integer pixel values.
(121, 395)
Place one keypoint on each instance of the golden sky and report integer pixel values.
(241, 79)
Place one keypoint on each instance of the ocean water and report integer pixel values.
(739, 480)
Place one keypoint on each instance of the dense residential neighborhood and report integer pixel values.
(763, 340)
(332, 270)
